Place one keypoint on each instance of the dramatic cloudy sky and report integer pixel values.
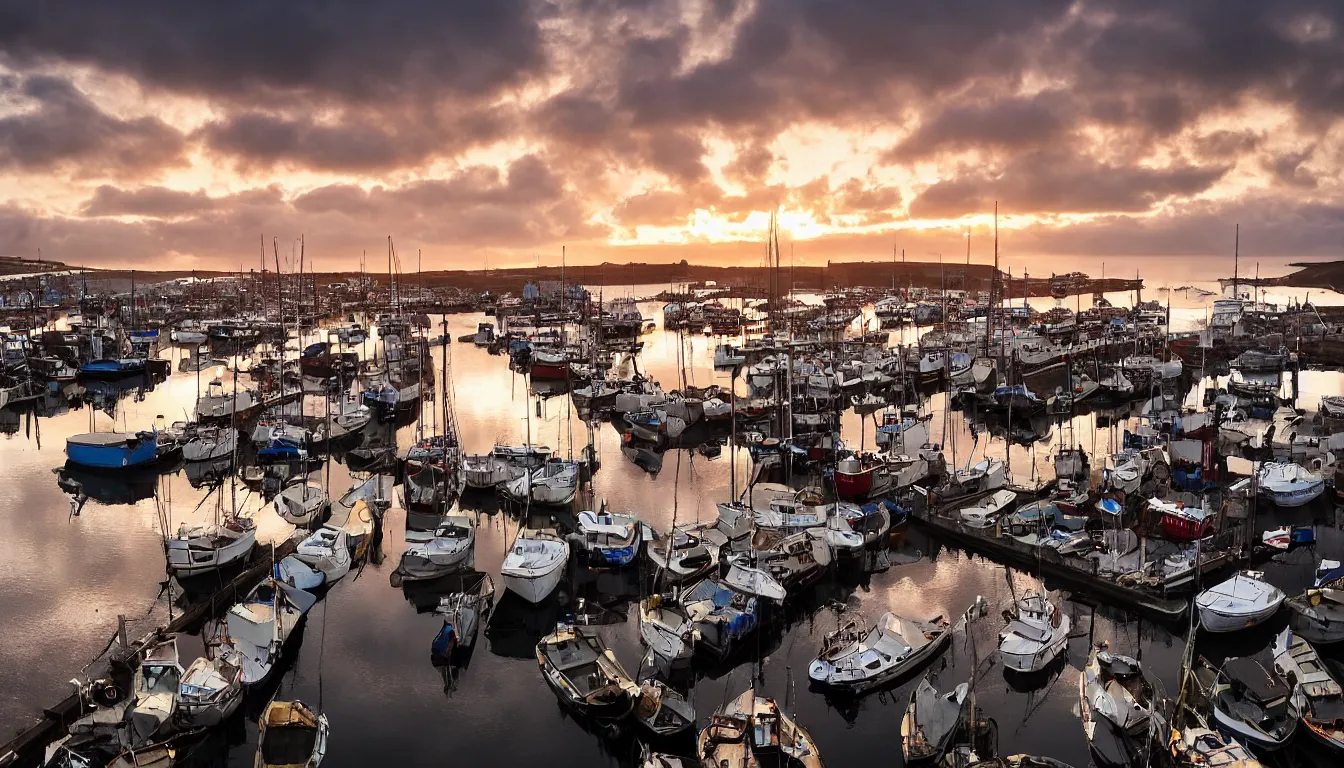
(495, 131)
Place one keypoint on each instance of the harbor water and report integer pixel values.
(364, 654)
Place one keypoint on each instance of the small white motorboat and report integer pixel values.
(989, 510)
(209, 692)
(1116, 705)
(682, 555)
(535, 564)
(1238, 603)
(450, 548)
(554, 483)
(1289, 485)
(301, 503)
(931, 720)
(668, 629)
(858, 660)
(156, 685)
(754, 581)
(326, 551)
(1037, 633)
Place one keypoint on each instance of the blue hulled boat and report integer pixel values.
(112, 450)
(113, 368)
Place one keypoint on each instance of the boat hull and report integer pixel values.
(1220, 621)
(534, 587)
(131, 452)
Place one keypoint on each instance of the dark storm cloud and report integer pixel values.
(1057, 182)
(339, 49)
(159, 202)
(1009, 123)
(66, 129)
(1066, 106)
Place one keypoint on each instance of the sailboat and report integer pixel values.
(199, 549)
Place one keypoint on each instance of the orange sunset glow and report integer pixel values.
(493, 132)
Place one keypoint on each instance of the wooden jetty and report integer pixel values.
(25, 748)
(1088, 584)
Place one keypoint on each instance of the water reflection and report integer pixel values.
(363, 652)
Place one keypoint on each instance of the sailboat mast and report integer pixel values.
(1236, 258)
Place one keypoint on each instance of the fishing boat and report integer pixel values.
(535, 564)
(1289, 485)
(382, 399)
(989, 510)
(290, 735)
(326, 551)
(550, 366)
(1201, 747)
(1116, 704)
(259, 626)
(609, 540)
(198, 549)
(668, 629)
(463, 613)
(483, 470)
(862, 475)
(1317, 695)
(585, 675)
(209, 692)
(662, 710)
(112, 368)
(930, 721)
(155, 689)
(794, 560)
(751, 731)
(153, 756)
(1180, 522)
(682, 555)
(857, 660)
(1318, 613)
(112, 450)
(1250, 702)
(1037, 633)
(210, 443)
(216, 407)
(450, 548)
(300, 503)
(980, 478)
(424, 489)
(1242, 601)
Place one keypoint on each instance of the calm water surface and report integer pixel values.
(364, 653)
